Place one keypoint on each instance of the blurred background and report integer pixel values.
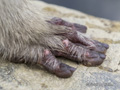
(109, 9)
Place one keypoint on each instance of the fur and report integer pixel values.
(24, 32)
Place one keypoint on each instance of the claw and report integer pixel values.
(80, 28)
(102, 56)
(64, 71)
(94, 58)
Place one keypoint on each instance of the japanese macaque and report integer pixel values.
(29, 36)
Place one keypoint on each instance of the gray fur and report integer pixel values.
(24, 32)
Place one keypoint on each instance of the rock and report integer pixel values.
(105, 77)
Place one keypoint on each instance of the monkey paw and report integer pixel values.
(27, 37)
(77, 47)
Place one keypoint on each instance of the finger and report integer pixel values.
(80, 54)
(74, 26)
(98, 46)
(101, 44)
(56, 67)
(79, 38)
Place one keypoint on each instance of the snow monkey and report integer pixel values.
(28, 36)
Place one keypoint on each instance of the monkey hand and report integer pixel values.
(76, 47)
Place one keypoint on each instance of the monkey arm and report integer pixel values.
(29, 36)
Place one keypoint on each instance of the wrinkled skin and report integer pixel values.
(76, 48)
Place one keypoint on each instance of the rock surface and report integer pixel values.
(104, 77)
